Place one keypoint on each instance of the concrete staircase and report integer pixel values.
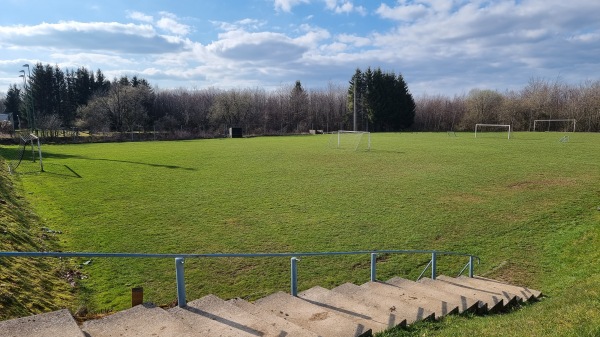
(347, 310)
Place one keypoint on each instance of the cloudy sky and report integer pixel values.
(440, 46)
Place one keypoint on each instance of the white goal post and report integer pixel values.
(353, 140)
(25, 141)
(555, 120)
(494, 125)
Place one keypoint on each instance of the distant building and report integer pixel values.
(7, 117)
(6, 123)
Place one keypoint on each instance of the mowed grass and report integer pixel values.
(527, 206)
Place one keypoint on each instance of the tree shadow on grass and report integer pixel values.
(10, 153)
(148, 164)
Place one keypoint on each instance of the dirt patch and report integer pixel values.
(319, 316)
(367, 263)
(512, 273)
(538, 184)
(461, 199)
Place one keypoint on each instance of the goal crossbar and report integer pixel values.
(494, 125)
(357, 141)
(574, 121)
(26, 140)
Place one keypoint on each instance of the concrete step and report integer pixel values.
(139, 321)
(438, 307)
(481, 285)
(494, 303)
(287, 328)
(204, 323)
(324, 322)
(377, 320)
(464, 304)
(347, 310)
(400, 308)
(234, 316)
(510, 299)
(524, 293)
(53, 324)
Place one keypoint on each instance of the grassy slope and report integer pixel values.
(27, 286)
(527, 206)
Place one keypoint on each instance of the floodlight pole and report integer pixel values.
(25, 90)
(30, 96)
(354, 108)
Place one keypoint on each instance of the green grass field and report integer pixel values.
(529, 207)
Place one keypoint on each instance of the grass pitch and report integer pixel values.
(527, 206)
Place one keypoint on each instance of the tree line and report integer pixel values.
(540, 99)
(52, 100)
(55, 100)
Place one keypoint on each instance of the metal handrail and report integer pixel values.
(180, 258)
(424, 270)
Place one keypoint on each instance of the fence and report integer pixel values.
(294, 258)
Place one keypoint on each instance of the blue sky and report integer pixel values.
(440, 46)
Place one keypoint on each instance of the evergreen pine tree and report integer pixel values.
(384, 98)
(12, 103)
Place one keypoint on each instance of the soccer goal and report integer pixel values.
(351, 140)
(494, 127)
(562, 125)
(26, 141)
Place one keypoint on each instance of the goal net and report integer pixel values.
(557, 125)
(351, 140)
(29, 150)
(495, 129)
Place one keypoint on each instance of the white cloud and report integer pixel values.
(403, 12)
(172, 26)
(90, 60)
(259, 47)
(438, 45)
(357, 41)
(336, 47)
(344, 7)
(246, 24)
(95, 36)
(336, 6)
(587, 37)
(75, 26)
(286, 5)
(312, 36)
(168, 22)
(139, 16)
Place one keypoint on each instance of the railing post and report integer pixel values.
(294, 277)
(180, 282)
(373, 267)
(470, 265)
(433, 265)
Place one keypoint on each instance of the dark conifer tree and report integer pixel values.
(384, 98)
(83, 90)
(12, 104)
(102, 84)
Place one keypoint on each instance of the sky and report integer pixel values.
(446, 47)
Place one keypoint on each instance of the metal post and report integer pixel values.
(433, 265)
(354, 107)
(40, 153)
(32, 151)
(180, 282)
(294, 277)
(373, 267)
(471, 266)
(137, 296)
